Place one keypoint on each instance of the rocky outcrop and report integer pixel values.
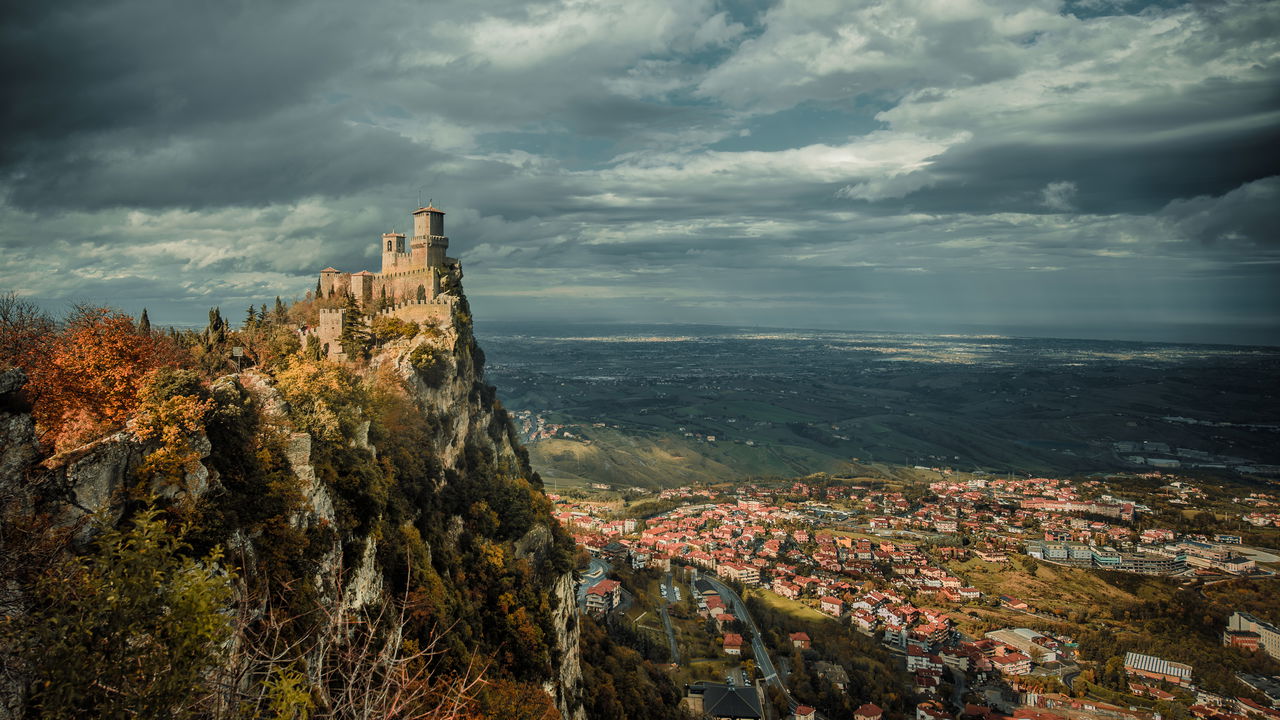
(569, 689)
(18, 446)
(469, 413)
(443, 370)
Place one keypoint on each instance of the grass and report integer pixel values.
(987, 618)
(794, 608)
(667, 459)
(704, 669)
(1056, 588)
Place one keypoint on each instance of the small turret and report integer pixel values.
(395, 256)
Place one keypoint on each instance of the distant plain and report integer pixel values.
(641, 402)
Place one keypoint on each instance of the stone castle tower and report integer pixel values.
(416, 283)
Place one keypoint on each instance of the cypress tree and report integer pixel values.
(144, 323)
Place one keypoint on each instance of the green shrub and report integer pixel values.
(129, 632)
(431, 364)
(386, 328)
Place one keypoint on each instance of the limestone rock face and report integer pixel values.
(468, 413)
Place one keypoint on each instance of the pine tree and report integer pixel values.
(356, 337)
(144, 323)
(281, 312)
(251, 319)
(216, 332)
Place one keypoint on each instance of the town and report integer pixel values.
(943, 576)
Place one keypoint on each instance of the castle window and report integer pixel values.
(388, 246)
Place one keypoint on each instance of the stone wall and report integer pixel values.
(437, 312)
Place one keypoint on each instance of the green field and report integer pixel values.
(793, 608)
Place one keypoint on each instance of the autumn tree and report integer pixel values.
(172, 405)
(386, 328)
(89, 376)
(325, 399)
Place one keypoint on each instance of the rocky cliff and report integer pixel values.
(351, 487)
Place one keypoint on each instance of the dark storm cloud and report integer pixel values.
(902, 163)
(159, 67)
(280, 159)
(1140, 177)
(1243, 220)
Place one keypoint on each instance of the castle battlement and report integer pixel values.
(442, 301)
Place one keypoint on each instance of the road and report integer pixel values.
(768, 672)
(596, 571)
(669, 593)
(1069, 677)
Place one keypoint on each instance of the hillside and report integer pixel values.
(300, 538)
(656, 460)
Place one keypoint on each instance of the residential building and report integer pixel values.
(869, 711)
(723, 702)
(1268, 633)
(603, 597)
(832, 606)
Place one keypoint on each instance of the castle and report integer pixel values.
(417, 283)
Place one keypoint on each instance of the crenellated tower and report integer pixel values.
(429, 242)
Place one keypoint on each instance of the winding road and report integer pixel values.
(763, 661)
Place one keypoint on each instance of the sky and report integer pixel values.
(1084, 168)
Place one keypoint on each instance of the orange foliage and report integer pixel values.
(172, 420)
(91, 373)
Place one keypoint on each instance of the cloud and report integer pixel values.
(1058, 196)
(749, 160)
(828, 50)
(1243, 220)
